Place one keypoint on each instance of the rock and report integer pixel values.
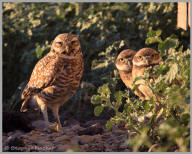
(54, 135)
(62, 138)
(67, 131)
(70, 122)
(85, 146)
(16, 133)
(119, 132)
(76, 127)
(33, 132)
(92, 130)
(39, 124)
(34, 138)
(86, 139)
(92, 122)
(75, 140)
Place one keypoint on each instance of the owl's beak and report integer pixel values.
(129, 63)
(147, 61)
(67, 49)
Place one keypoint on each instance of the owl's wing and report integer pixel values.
(44, 73)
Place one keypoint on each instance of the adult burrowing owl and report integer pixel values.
(143, 59)
(56, 77)
(124, 66)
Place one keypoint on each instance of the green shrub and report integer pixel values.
(173, 83)
(104, 29)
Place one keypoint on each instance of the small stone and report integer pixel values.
(92, 130)
(62, 138)
(92, 122)
(86, 139)
(119, 132)
(34, 138)
(75, 141)
(33, 132)
(24, 136)
(85, 146)
(54, 134)
(67, 131)
(76, 127)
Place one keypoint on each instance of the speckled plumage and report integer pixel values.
(56, 77)
(124, 65)
(144, 58)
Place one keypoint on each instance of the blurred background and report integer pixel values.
(104, 29)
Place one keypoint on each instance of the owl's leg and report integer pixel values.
(43, 108)
(55, 110)
(45, 115)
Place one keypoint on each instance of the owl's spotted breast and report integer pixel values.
(66, 82)
(56, 76)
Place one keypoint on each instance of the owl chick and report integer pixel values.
(143, 59)
(124, 66)
(55, 78)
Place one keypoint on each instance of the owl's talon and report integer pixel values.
(52, 126)
(58, 128)
(49, 72)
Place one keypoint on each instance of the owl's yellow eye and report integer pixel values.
(140, 58)
(73, 42)
(121, 60)
(59, 44)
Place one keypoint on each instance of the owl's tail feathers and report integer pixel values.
(29, 104)
(24, 106)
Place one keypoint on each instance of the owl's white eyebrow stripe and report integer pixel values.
(58, 39)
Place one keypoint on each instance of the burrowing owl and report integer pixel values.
(143, 59)
(124, 66)
(56, 77)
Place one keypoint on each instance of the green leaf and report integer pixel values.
(163, 69)
(181, 48)
(104, 90)
(39, 52)
(167, 44)
(154, 33)
(171, 74)
(98, 110)
(153, 37)
(136, 87)
(96, 99)
(118, 96)
(158, 32)
(152, 40)
(147, 106)
(109, 125)
(185, 118)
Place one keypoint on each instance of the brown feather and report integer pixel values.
(56, 77)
